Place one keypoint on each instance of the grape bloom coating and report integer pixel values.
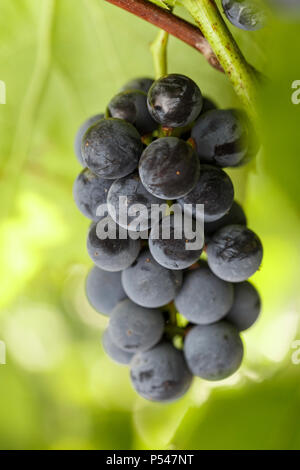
(176, 300)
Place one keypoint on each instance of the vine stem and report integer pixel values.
(172, 24)
(159, 53)
(240, 73)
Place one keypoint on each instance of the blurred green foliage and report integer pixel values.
(61, 61)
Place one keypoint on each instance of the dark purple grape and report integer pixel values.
(204, 298)
(111, 148)
(208, 105)
(234, 253)
(214, 190)
(172, 252)
(111, 254)
(174, 100)
(246, 306)
(89, 192)
(169, 168)
(245, 14)
(79, 136)
(132, 107)
(134, 328)
(149, 284)
(131, 188)
(160, 374)
(116, 354)
(104, 290)
(142, 84)
(213, 352)
(221, 137)
(235, 216)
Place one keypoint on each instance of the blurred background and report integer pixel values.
(62, 60)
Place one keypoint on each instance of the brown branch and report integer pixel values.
(171, 23)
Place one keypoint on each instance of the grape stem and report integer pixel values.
(172, 314)
(173, 330)
(172, 24)
(159, 53)
(240, 73)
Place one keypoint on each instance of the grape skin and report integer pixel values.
(208, 105)
(204, 298)
(215, 190)
(89, 192)
(246, 306)
(234, 253)
(149, 284)
(111, 255)
(213, 352)
(172, 253)
(104, 290)
(142, 84)
(132, 107)
(131, 187)
(221, 137)
(133, 287)
(111, 148)
(116, 354)
(174, 100)
(169, 168)
(80, 133)
(160, 374)
(133, 328)
(235, 216)
(244, 14)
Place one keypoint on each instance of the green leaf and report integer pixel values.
(254, 416)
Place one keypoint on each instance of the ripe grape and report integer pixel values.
(111, 148)
(134, 328)
(171, 315)
(204, 298)
(174, 100)
(208, 105)
(169, 168)
(132, 107)
(89, 192)
(235, 216)
(172, 252)
(116, 354)
(149, 284)
(214, 189)
(111, 254)
(130, 187)
(221, 137)
(213, 352)
(246, 306)
(244, 14)
(142, 84)
(160, 374)
(104, 290)
(79, 136)
(234, 253)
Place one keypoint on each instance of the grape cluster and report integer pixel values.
(173, 313)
